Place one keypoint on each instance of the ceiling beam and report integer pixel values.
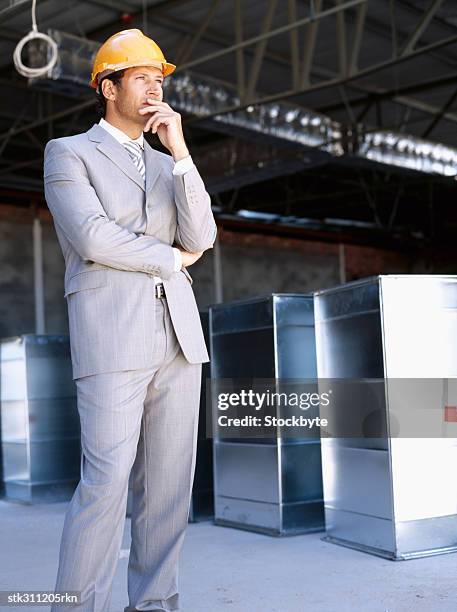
(11, 35)
(218, 38)
(16, 7)
(52, 117)
(114, 5)
(399, 92)
(163, 7)
(337, 81)
(424, 21)
(271, 33)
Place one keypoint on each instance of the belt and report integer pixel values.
(160, 291)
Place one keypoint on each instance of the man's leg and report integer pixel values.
(110, 408)
(162, 478)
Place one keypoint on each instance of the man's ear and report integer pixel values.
(108, 89)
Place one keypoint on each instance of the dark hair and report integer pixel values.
(115, 78)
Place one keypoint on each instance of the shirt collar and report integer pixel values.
(119, 135)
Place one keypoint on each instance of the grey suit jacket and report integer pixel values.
(116, 234)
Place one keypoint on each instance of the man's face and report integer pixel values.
(135, 87)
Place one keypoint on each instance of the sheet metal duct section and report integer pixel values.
(270, 485)
(71, 72)
(394, 495)
(40, 435)
(283, 121)
(406, 151)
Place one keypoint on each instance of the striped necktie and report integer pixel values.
(136, 155)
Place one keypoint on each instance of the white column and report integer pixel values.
(217, 266)
(342, 263)
(38, 277)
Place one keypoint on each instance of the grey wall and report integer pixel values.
(17, 308)
(251, 265)
(17, 311)
(254, 269)
(56, 317)
(203, 285)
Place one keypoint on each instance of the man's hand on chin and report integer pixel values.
(167, 124)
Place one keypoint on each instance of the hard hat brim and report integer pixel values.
(167, 69)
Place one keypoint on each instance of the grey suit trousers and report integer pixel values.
(144, 422)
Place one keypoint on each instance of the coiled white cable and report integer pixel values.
(26, 70)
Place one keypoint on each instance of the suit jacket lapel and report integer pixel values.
(110, 147)
(153, 166)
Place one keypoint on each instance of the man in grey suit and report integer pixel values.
(130, 220)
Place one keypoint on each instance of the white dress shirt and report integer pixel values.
(180, 167)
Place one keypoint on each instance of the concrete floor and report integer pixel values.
(227, 570)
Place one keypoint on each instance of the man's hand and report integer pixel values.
(189, 258)
(166, 123)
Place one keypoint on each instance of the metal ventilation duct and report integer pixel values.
(281, 121)
(201, 97)
(399, 149)
(74, 62)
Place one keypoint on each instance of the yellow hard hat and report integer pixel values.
(128, 49)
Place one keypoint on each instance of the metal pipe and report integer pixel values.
(40, 327)
(217, 268)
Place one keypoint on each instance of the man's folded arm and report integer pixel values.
(196, 229)
(75, 207)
